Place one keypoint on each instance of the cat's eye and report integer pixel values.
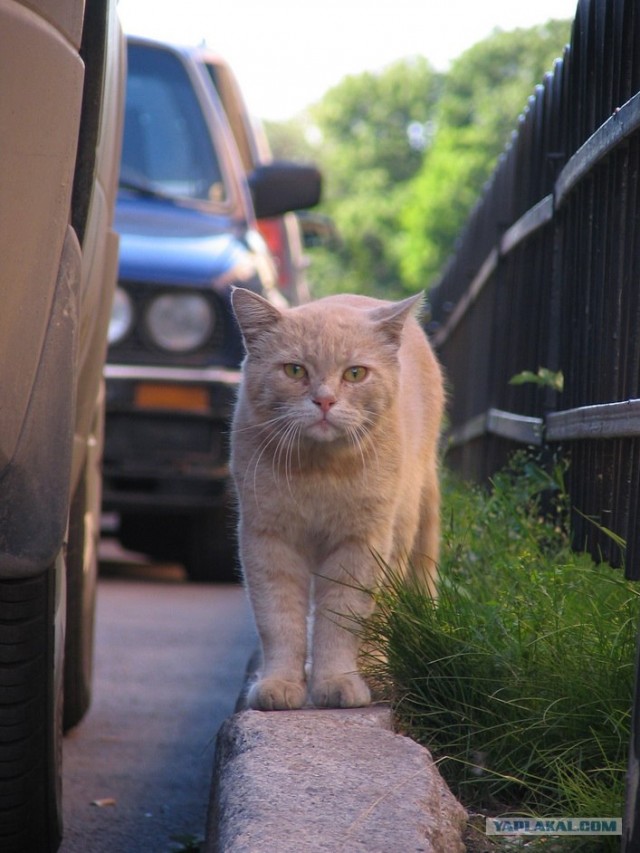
(295, 371)
(355, 374)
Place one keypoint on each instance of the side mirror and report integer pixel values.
(282, 186)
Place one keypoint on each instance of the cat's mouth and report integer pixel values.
(323, 430)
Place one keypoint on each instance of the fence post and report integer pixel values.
(631, 819)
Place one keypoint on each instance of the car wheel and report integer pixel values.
(30, 715)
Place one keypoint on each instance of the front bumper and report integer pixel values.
(166, 437)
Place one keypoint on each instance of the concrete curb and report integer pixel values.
(327, 780)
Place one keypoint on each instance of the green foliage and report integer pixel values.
(519, 679)
(483, 94)
(440, 199)
(289, 140)
(368, 154)
(369, 234)
(544, 378)
(488, 84)
(187, 843)
(364, 122)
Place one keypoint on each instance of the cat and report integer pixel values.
(334, 450)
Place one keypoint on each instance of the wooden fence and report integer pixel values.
(547, 275)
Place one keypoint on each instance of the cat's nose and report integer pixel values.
(324, 401)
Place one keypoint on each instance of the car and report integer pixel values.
(61, 99)
(283, 234)
(186, 215)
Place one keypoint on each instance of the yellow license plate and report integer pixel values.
(169, 396)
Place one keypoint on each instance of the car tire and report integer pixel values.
(30, 716)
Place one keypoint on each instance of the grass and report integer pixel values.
(520, 678)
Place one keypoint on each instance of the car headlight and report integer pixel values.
(180, 322)
(121, 316)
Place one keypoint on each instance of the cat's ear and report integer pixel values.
(391, 318)
(254, 314)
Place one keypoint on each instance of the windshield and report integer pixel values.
(167, 148)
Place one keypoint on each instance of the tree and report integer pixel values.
(485, 90)
(372, 131)
(289, 139)
(365, 122)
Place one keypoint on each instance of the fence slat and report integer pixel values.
(609, 420)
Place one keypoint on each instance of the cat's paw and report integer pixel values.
(341, 691)
(276, 694)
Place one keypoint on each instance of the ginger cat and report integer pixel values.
(334, 460)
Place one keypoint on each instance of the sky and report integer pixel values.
(287, 54)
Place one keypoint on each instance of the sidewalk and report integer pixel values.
(327, 780)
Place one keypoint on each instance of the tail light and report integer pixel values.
(274, 234)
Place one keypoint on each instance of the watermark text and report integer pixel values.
(554, 826)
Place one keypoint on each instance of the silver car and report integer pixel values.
(61, 97)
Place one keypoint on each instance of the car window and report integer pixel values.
(167, 147)
(230, 101)
(249, 134)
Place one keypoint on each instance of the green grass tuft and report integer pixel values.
(520, 678)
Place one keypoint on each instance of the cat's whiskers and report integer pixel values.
(280, 433)
(263, 425)
(354, 434)
(284, 451)
(259, 453)
(358, 432)
(273, 434)
(270, 435)
(295, 439)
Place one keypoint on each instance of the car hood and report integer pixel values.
(166, 242)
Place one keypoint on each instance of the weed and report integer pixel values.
(519, 678)
(187, 843)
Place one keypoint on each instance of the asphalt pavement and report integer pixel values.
(169, 663)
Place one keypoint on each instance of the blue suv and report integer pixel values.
(186, 214)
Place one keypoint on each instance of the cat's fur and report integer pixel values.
(331, 477)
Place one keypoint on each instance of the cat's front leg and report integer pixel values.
(341, 602)
(278, 583)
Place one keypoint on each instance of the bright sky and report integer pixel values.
(288, 53)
